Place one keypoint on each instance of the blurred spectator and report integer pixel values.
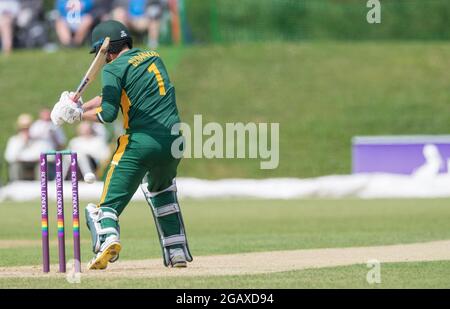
(141, 16)
(23, 152)
(44, 129)
(92, 149)
(102, 10)
(31, 30)
(75, 21)
(155, 12)
(101, 131)
(9, 9)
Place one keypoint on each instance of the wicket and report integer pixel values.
(59, 180)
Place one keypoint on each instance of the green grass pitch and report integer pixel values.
(240, 226)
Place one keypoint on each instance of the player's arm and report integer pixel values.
(92, 104)
(90, 109)
(100, 109)
(109, 104)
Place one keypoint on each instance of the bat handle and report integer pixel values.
(76, 97)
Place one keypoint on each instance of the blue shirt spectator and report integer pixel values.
(65, 7)
(75, 21)
(141, 16)
(137, 8)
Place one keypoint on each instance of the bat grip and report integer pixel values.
(76, 97)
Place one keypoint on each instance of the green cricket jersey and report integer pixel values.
(138, 84)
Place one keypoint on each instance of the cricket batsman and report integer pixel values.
(135, 82)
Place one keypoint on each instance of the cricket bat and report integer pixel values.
(95, 67)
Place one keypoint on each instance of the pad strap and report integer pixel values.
(108, 230)
(173, 240)
(172, 188)
(108, 215)
(167, 210)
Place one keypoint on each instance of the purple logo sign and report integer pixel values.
(408, 155)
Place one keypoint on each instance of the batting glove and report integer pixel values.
(71, 112)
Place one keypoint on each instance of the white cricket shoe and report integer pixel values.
(108, 254)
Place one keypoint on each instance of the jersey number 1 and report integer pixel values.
(159, 79)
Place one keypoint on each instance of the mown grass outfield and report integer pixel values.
(321, 93)
(219, 227)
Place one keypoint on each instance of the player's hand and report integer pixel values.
(56, 115)
(80, 100)
(69, 111)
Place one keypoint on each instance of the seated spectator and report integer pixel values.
(141, 16)
(92, 150)
(23, 152)
(44, 129)
(30, 25)
(101, 131)
(154, 12)
(74, 22)
(102, 10)
(9, 9)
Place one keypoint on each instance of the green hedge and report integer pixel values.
(256, 20)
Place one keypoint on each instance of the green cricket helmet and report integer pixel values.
(116, 31)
